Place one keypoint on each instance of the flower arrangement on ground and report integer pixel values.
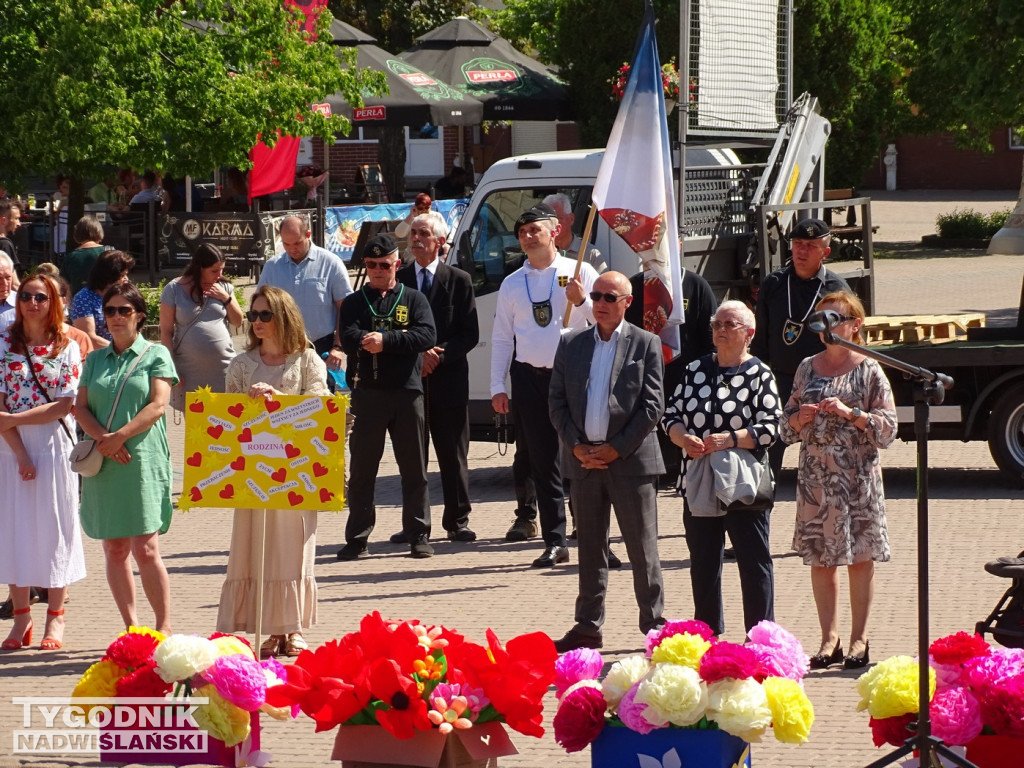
(974, 689)
(688, 679)
(669, 80)
(406, 676)
(223, 668)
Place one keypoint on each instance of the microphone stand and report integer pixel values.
(929, 389)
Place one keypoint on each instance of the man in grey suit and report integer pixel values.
(606, 400)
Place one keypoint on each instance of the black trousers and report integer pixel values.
(535, 431)
(748, 532)
(526, 494)
(398, 413)
(449, 431)
(777, 453)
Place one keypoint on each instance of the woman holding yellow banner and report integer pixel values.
(279, 360)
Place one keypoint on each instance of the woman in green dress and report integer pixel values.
(128, 503)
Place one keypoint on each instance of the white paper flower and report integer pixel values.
(673, 694)
(622, 676)
(179, 657)
(740, 707)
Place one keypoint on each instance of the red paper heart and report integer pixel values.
(291, 451)
(332, 407)
(195, 459)
(236, 410)
(215, 432)
(279, 475)
(196, 407)
(195, 494)
(245, 436)
(239, 463)
(319, 470)
(326, 495)
(228, 492)
(272, 405)
(330, 435)
(294, 498)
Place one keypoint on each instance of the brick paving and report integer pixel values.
(974, 517)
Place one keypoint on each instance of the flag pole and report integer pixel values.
(584, 244)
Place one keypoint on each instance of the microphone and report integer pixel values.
(824, 320)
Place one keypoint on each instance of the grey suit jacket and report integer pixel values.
(635, 403)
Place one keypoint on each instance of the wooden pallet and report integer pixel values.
(919, 329)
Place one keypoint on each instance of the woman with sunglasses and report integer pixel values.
(727, 401)
(279, 360)
(195, 312)
(87, 306)
(41, 543)
(841, 412)
(128, 503)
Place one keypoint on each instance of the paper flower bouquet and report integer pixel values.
(406, 677)
(974, 689)
(688, 679)
(143, 663)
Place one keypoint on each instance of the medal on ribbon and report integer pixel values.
(791, 331)
(542, 313)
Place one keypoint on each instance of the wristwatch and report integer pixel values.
(855, 414)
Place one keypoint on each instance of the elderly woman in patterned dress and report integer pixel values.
(842, 412)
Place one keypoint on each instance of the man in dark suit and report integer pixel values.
(606, 398)
(445, 370)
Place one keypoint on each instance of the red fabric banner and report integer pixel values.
(273, 169)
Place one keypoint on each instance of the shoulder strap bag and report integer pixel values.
(35, 378)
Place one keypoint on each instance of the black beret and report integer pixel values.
(538, 212)
(809, 229)
(379, 246)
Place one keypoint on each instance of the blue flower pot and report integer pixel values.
(666, 748)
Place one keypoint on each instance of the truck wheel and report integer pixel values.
(1006, 434)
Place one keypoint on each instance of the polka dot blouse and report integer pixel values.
(711, 399)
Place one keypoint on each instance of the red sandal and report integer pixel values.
(12, 643)
(52, 643)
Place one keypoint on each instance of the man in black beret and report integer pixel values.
(786, 298)
(385, 327)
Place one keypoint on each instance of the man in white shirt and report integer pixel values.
(528, 320)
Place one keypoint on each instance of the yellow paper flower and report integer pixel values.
(220, 719)
(160, 636)
(229, 644)
(684, 649)
(890, 689)
(99, 680)
(792, 713)
(622, 676)
(740, 707)
(673, 694)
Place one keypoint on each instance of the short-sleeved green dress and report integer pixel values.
(132, 499)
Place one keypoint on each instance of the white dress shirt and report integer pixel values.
(599, 386)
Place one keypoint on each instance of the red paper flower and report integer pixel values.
(724, 660)
(892, 730)
(144, 682)
(958, 648)
(406, 710)
(389, 640)
(1002, 706)
(132, 650)
(580, 718)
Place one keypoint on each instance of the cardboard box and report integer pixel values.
(370, 746)
(620, 747)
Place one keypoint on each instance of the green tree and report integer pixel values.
(182, 86)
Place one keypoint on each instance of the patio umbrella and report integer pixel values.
(477, 62)
(414, 97)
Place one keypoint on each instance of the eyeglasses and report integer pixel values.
(611, 298)
(726, 325)
(39, 298)
(380, 264)
(264, 315)
(123, 311)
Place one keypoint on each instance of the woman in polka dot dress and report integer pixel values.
(727, 399)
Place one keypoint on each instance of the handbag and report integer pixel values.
(85, 459)
(765, 496)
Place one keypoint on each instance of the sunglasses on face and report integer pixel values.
(264, 315)
(122, 311)
(726, 325)
(39, 298)
(611, 298)
(380, 264)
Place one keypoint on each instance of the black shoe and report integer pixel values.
(572, 535)
(401, 538)
(353, 551)
(858, 662)
(729, 553)
(574, 639)
(523, 529)
(613, 560)
(421, 548)
(461, 534)
(551, 556)
(821, 661)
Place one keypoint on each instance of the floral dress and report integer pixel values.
(88, 303)
(41, 541)
(840, 504)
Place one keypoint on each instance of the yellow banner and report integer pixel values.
(284, 453)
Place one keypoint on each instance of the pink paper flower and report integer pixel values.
(1001, 663)
(693, 627)
(475, 698)
(891, 730)
(1002, 705)
(580, 717)
(956, 715)
(781, 654)
(239, 680)
(725, 659)
(576, 665)
(631, 713)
